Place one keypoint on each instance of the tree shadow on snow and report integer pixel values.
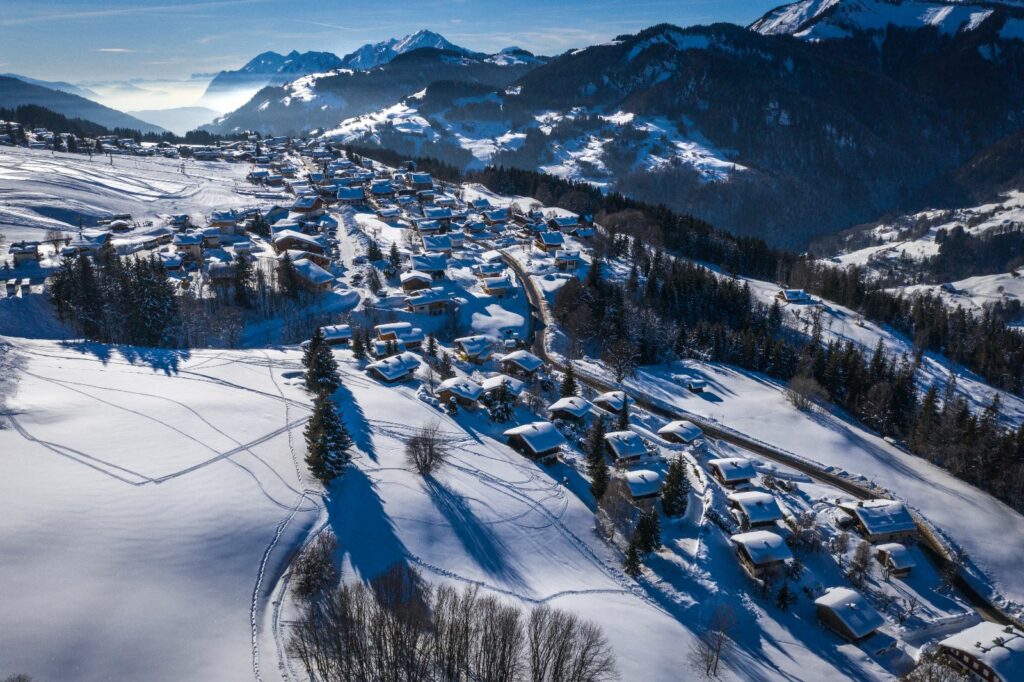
(366, 535)
(475, 536)
(166, 360)
(355, 421)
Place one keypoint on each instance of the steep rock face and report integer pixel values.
(377, 54)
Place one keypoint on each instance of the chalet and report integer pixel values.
(385, 349)
(986, 652)
(275, 214)
(308, 204)
(462, 391)
(512, 385)
(492, 256)
(793, 296)
(881, 520)
(170, 261)
(681, 431)
(475, 226)
(612, 401)
(625, 447)
(348, 196)
(521, 363)
(549, 242)
(755, 509)
(94, 245)
(337, 334)
(179, 221)
(761, 553)
(313, 277)
(189, 245)
(438, 243)
(475, 349)
(396, 368)
(274, 180)
(571, 408)
(495, 216)
(119, 225)
(286, 240)
(223, 220)
(389, 213)
(428, 301)
(694, 385)
(482, 270)
(400, 331)
(496, 286)
(220, 274)
(382, 188)
(211, 237)
(414, 280)
(441, 214)
(419, 181)
(433, 264)
(297, 254)
(563, 223)
(847, 613)
(480, 204)
(567, 260)
(539, 440)
(895, 558)
(425, 196)
(643, 484)
(24, 252)
(457, 238)
(425, 227)
(732, 472)
(584, 232)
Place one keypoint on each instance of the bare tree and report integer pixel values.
(708, 651)
(622, 356)
(804, 392)
(314, 570)
(562, 648)
(55, 238)
(426, 450)
(860, 564)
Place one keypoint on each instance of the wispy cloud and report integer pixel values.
(47, 17)
(114, 49)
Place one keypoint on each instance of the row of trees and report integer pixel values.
(327, 439)
(399, 628)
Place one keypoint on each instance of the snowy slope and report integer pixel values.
(375, 54)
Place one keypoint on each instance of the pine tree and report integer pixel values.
(260, 226)
(648, 531)
(501, 406)
(785, 598)
(569, 387)
(622, 418)
(675, 495)
(373, 253)
(327, 441)
(321, 368)
(394, 258)
(288, 277)
(632, 563)
(447, 371)
(358, 347)
(431, 346)
(597, 466)
(243, 281)
(373, 282)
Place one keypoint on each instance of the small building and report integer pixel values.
(428, 301)
(313, 277)
(389, 213)
(220, 274)
(24, 252)
(793, 296)
(498, 287)
(308, 204)
(396, 368)
(612, 401)
(291, 239)
(424, 226)
(442, 214)
(694, 385)
(895, 558)
(563, 223)
(476, 349)
(189, 245)
(643, 484)
(761, 553)
(521, 363)
(549, 242)
(400, 331)
(337, 334)
(755, 509)
(457, 238)
(463, 391)
(571, 408)
(495, 215)
(433, 264)
(419, 181)
(987, 651)
(732, 471)
(347, 196)
(414, 280)
(385, 349)
(681, 431)
(485, 270)
(567, 260)
(437, 243)
(382, 188)
(512, 385)
(625, 447)
(538, 440)
(296, 255)
(881, 520)
(847, 613)
(223, 220)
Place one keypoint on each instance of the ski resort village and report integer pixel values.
(262, 390)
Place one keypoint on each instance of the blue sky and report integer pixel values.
(87, 40)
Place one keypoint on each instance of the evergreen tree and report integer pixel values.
(358, 347)
(597, 465)
(431, 346)
(447, 371)
(327, 441)
(373, 253)
(568, 387)
(321, 368)
(243, 277)
(394, 258)
(622, 418)
(632, 563)
(288, 277)
(675, 494)
(373, 282)
(260, 226)
(648, 531)
(785, 598)
(501, 405)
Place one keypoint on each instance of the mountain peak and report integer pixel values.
(376, 54)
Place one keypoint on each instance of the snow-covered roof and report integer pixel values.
(733, 468)
(626, 444)
(551, 238)
(538, 436)
(763, 546)
(882, 516)
(437, 212)
(489, 268)
(565, 220)
(643, 482)
(306, 201)
(396, 366)
(298, 236)
(353, 193)
(462, 387)
(430, 262)
(334, 332)
(311, 272)
(682, 429)
(393, 328)
(496, 283)
(899, 556)
(613, 400)
(514, 386)
(415, 275)
(437, 242)
(758, 507)
(496, 214)
(525, 359)
(475, 345)
(492, 256)
(850, 607)
(427, 225)
(574, 405)
(425, 296)
(567, 255)
(999, 647)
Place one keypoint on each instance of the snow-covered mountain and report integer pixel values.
(830, 19)
(228, 89)
(56, 85)
(15, 92)
(376, 54)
